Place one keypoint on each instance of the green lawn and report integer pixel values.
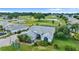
(69, 42)
(30, 21)
(42, 23)
(1, 19)
(61, 44)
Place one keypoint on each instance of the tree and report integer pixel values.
(24, 38)
(60, 35)
(76, 36)
(39, 16)
(64, 18)
(77, 17)
(62, 32)
(53, 21)
(63, 29)
(75, 27)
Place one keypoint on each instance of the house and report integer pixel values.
(41, 32)
(13, 28)
(4, 23)
(5, 16)
(72, 20)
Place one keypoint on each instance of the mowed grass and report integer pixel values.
(68, 42)
(43, 23)
(30, 21)
(61, 44)
(25, 47)
(1, 19)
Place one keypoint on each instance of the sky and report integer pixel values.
(42, 10)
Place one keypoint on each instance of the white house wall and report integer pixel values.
(48, 35)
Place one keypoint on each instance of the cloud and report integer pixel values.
(5, 11)
(56, 9)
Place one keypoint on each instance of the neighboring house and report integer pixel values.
(44, 32)
(4, 22)
(13, 28)
(5, 16)
(72, 20)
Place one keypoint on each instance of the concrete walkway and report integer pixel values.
(8, 40)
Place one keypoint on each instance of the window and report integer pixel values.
(46, 39)
(38, 36)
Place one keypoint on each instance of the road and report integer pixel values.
(8, 40)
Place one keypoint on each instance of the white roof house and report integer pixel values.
(43, 31)
(15, 28)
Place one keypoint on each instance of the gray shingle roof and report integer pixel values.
(42, 29)
(16, 27)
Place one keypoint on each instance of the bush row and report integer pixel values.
(66, 48)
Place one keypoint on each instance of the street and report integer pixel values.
(8, 40)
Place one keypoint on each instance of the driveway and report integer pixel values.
(8, 40)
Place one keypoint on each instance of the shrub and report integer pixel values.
(60, 35)
(24, 38)
(42, 43)
(70, 48)
(56, 46)
(35, 44)
(15, 45)
(76, 36)
(37, 24)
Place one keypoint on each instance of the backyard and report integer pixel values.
(57, 45)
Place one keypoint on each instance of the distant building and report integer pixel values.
(72, 20)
